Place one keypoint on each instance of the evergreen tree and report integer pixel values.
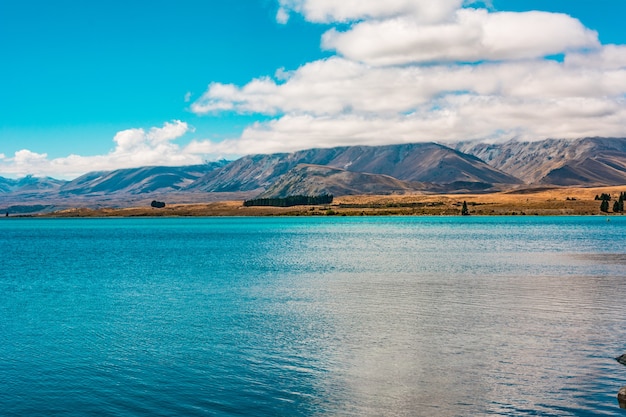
(290, 201)
(616, 207)
(464, 210)
(604, 206)
(622, 196)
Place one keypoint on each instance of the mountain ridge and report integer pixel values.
(418, 162)
(560, 162)
(406, 168)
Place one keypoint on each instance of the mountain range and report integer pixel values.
(352, 170)
(582, 162)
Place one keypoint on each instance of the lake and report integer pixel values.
(315, 316)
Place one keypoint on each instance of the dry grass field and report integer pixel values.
(531, 201)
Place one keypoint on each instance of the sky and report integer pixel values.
(101, 85)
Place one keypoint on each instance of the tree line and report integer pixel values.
(618, 205)
(290, 201)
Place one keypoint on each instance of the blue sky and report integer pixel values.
(79, 71)
(188, 80)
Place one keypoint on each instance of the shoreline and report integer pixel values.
(528, 202)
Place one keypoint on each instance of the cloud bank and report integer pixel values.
(418, 70)
(134, 147)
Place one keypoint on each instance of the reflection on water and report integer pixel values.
(417, 346)
(611, 258)
(487, 323)
(301, 317)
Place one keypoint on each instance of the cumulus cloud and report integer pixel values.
(134, 148)
(338, 86)
(26, 157)
(419, 70)
(447, 119)
(474, 35)
(282, 16)
(329, 11)
(609, 57)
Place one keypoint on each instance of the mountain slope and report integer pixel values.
(605, 168)
(422, 162)
(588, 161)
(30, 184)
(317, 180)
(6, 185)
(138, 180)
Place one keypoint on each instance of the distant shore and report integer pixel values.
(531, 201)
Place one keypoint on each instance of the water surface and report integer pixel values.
(394, 316)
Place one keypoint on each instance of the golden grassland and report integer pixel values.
(532, 201)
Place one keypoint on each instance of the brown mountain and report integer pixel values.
(317, 180)
(421, 162)
(161, 179)
(582, 162)
(429, 167)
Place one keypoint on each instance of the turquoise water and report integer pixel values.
(395, 316)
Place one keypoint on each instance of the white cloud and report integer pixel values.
(329, 11)
(609, 57)
(282, 16)
(447, 119)
(338, 86)
(340, 102)
(26, 157)
(130, 139)
(168, 132)
(419, 70)
(134, 148)
(474, 35)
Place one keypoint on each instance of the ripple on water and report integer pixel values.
(301, 317)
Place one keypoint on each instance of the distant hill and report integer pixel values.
(139, 180)
(581, 162)
(30, 184)
(6, 185)
(118, 188)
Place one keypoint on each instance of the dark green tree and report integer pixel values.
(290, 201)
(620, 202)
(604, 206)
(616, 207)
(464, 210)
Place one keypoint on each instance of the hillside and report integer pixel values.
(583, 162)
(142, 180)
(317, 180)
(29, 185)
(421, 162)
(118, 188)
